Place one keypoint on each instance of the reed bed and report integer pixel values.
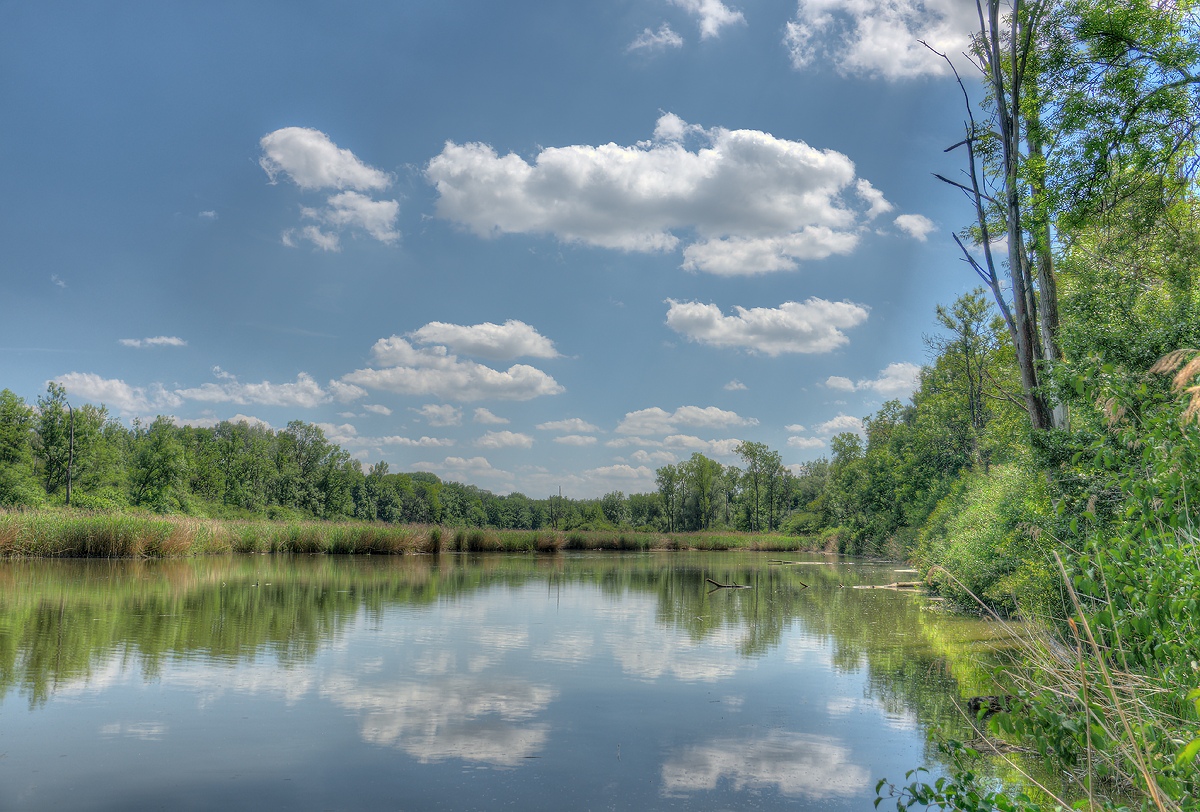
(78, 534)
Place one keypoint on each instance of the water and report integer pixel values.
(576, 681)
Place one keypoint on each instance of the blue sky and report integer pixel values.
(523, 245)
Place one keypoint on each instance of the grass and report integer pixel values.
(79, 534)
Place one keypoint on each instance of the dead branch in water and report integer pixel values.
(727, 586)
(894, 585)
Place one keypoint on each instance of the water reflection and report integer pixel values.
(476, 719)
(620, 678)
(796, 764)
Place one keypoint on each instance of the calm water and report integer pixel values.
(577, 681)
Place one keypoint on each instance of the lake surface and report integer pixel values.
(572, 681)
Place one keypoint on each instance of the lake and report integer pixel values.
(582, 681)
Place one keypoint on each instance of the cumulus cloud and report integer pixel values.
(343, 435)
(795, 428)
(656, 421)
(659, 40)
(211, 422)
(805, 442)
(116, 393)
(434, 371)
(896, 380)
(311, 160)
(576, 440)
(344, 393)
(440, 414)
(735, 386)
(870, 38)
(571, 424)
(653, 457)
(304, 393)
(465, 469)
(688, 443)
(812, 326)
(916, 226)
(485, 417)
(754, 202)
(356, 210)
(421, 442)
(504, 439)
(375, 408)
(839, 424)
(156, 341)
(497, 342)
(713, 15)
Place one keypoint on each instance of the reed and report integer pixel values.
(70, 533)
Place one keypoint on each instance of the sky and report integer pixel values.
(528, 245)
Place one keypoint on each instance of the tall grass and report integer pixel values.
(119, 535)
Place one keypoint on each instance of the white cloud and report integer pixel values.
(653, 457)
(754, 202)
(156, 341)
(355, 210)
(376, 408)
(485, 417)
(440, 414)
(504, 439)
(576, 440)
(422, 442)
(795, 428)
(917, 226)
(211, 422)
(735, 386)
(324, 240)
(116, 393)
(305, 393)
(208, 214)
(654, 420)
(434, 371)
(342, 392)
(805, 442)
(659, 40)
(465, 469)
(312, 161)
(876, 203)
(58, 281)
(714, 15)
(839, 424)
(620, 476)
(572, 424)
(497, 342)
(883, 39)
(342, 435)
(896, 380)
(689, 443)
(812, 326)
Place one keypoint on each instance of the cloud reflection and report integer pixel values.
(796, 764)
(471, 718)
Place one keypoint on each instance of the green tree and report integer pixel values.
(18, 483)
(159, 467)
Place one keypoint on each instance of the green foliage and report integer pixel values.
(983, 541)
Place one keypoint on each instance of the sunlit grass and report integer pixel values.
(78, 534)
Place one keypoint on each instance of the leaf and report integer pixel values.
(1188, 753)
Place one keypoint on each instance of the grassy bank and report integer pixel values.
(66, 534)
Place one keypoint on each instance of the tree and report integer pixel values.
(616, 508)
(18, 483)
(159, 466)
(668, 479)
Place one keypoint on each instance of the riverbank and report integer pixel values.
(68, 534)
